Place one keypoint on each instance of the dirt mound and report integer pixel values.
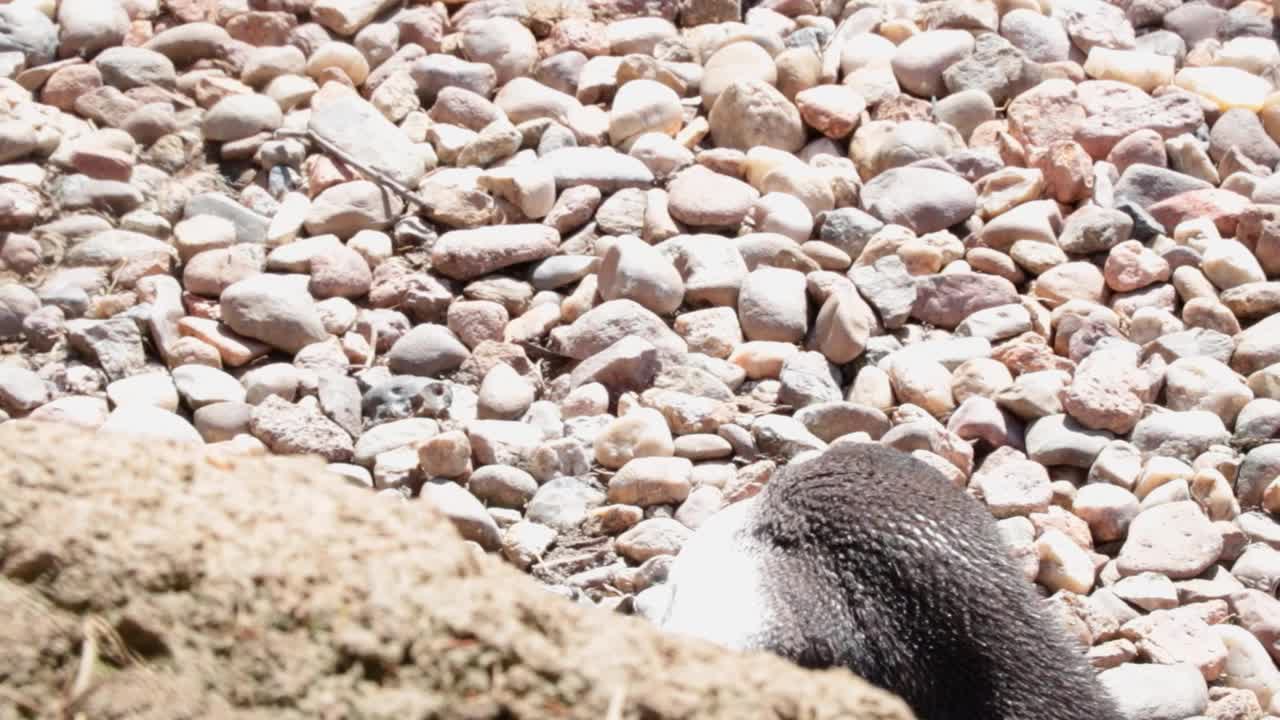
(150, 581)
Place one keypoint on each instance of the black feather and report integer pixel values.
(877, 563)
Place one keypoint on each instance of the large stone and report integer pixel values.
(702, 198)
(921, 59)
(600, 167)
(468, 254)
(24, 29)
(1183, 435)
(894, 197)
(301, 429)
(1174, 539)
(250, 226)
(347, 17)
(353, 124)
(946, 299)
(347, 208)
(1147, 185)
(427, 350)
(1170, 115)
(276, 309)
(753, 113)
(151, 423)
(609, 322)
(88, 26)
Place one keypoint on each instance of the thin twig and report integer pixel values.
(832, 48)
(88, 659)
(616, 703)
(379, 176)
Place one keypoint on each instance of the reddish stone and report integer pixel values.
(66, 85)
(20, 207)
(106, 106)
(1045, 114)
(1169, 115)
(1068, 172)
(1029, 352)
(139, 32)
(323, 173)
(103, 163)
(1222, 206)
(423, 27)
(189, 11)
(586, 36)
(262, 29)
(1144, 147)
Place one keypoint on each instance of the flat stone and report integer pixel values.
(356, 126)
(115, 345)
(1184, 435)
(1174, 539)
(891, 198)
(1059, 440)
(250, 226)
(25, 29)
(602, 168)
(468, 254)
(946, 299)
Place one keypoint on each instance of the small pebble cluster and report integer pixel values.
(583, 272)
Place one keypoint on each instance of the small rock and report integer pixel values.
(465, 512)
(149, 421)
(1156, 692)
(1174, 539)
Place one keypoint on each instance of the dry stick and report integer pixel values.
(616, 703)
(832, 49)
(330, 147)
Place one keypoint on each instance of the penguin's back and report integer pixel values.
(870, 559)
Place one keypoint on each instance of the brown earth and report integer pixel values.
(152, 581)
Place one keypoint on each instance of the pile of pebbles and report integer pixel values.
(583, 272)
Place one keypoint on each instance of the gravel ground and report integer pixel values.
(583, 272)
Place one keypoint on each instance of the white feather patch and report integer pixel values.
(717, 583)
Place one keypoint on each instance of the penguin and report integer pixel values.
(867, 558)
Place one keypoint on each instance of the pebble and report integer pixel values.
(468, 254)
(503, 486)
(1157, 692)
(752, 113)
(275, 309)
(889, 198)
(772, 305)
(427, 350)
(1174, 539)
(647, 481)
(652, 538)
(148, 421)
(919, 62)
(465, 512)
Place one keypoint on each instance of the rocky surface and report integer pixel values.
(583, 273)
